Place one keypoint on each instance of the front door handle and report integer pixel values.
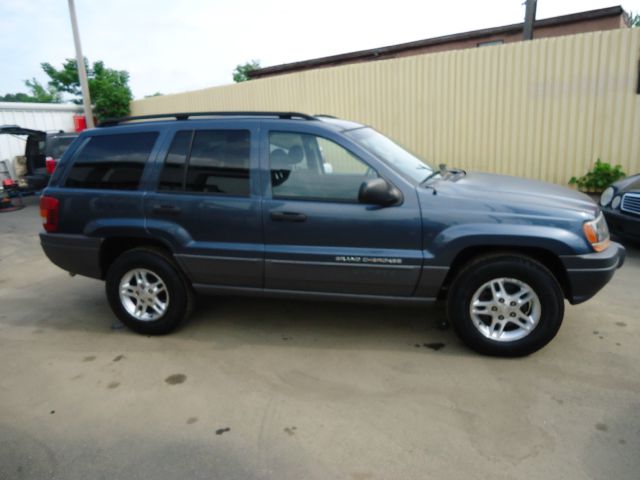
(288, 217)
(166, 209)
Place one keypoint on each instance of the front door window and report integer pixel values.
(308, 167)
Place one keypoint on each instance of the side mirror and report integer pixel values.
(378, 191)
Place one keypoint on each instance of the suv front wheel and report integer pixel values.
(147, 291)
(506, 305)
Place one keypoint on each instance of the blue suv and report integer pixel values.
(312, 207)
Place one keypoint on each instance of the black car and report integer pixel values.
(621, 206)
(42, 152)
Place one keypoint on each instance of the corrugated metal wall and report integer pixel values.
(545, 109)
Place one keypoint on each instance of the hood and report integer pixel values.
(627, 184)
(517, 195)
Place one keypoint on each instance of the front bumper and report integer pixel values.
(588, 273)
(622, 224)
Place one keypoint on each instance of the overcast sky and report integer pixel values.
(171, 46)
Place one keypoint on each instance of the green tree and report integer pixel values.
(634, 19)
(17, 97)
(241, 73)
(109, 88)
(38, 94)
(41, 93)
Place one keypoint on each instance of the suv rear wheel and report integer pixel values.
(506, 305)
(147, 291)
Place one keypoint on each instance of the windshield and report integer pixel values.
(387, 150)
(57, 145)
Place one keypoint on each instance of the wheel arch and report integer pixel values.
(546, 257)
(113, 247)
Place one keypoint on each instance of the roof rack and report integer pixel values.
(184, 116)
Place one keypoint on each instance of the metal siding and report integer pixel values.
(545, 109)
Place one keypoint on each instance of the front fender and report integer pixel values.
(451, 241)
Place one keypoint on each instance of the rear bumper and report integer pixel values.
(37, 182)
(76, 254)
(587, 274)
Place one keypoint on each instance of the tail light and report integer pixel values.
(50, 164)
(49, 207)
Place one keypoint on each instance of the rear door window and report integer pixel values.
(112, 162)
(208, 161)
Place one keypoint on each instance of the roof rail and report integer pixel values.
(184, 116)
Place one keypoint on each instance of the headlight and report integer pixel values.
(607, 195)
(597, 233)
(615, 203)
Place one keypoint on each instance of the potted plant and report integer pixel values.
(595, 181)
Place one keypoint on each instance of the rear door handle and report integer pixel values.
(288, 217)
(166, 209)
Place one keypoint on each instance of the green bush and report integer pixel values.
(600, 177)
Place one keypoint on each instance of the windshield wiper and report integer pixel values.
(442, 168)
(430, 176)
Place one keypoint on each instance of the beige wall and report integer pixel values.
(544, 109)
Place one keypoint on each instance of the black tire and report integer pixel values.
(160, 264)
(525, 269)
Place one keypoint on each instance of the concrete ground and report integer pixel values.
(274, 389)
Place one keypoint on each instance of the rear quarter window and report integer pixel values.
(113, 162)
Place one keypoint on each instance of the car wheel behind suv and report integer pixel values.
(147, 291)
(505, 305)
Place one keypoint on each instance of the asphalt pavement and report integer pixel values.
(275, 389)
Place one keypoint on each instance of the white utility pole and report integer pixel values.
(82, 70)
